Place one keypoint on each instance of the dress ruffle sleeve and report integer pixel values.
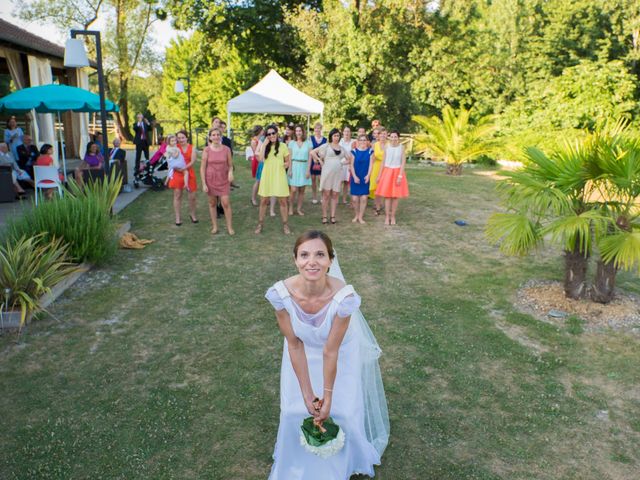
(275, 299)
(348, 305)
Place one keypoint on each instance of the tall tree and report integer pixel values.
(127, 46)
(256, 28)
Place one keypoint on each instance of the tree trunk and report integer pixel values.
(122, 118)
(454, 169)
(575, 274)
(604, 282)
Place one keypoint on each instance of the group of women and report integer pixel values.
(285, 165)
(369, 168)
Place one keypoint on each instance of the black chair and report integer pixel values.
(7, 192)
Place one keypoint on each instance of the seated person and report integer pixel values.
(93, 160)
(27, 154)
(17, 174)
(118, 159)
(45, 159)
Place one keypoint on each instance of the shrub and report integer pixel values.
(29, 267)
(81, 218)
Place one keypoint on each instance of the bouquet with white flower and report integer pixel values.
(324, 439)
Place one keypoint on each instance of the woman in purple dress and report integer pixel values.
(93, 160)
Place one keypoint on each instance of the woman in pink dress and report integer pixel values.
(217, 172)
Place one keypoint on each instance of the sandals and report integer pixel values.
(333, 220)
(325, 221)
(378, 211)
(285, 229)
(258, 229)
(194, 220)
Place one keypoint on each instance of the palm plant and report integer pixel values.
(549, 198)
(615, 171)
(29, 267)
(584, 195)
(454, 139)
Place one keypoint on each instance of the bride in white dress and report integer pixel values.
(329, 353)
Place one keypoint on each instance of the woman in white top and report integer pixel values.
(332, 157)
(348, 144)
(329, 353)
(13, 136)
(392, 183)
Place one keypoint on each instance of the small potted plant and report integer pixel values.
(29, 268)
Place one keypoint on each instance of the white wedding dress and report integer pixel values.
(359, 405)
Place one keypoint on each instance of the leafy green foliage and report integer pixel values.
(581, 196)
(81, 218)
(29, 267)
(454, 138)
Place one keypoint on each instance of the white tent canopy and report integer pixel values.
(273, 94)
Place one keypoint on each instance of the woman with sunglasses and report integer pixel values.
(273, 182)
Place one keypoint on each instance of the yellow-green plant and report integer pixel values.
(454, 138)
(29, 268)
(82, 218)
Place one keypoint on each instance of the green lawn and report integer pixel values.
(165, 364)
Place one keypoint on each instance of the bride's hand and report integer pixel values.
(311, 404)
(325, 410)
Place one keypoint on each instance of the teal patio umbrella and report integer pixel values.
(54, 99)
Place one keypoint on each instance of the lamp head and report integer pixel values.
(74, 54)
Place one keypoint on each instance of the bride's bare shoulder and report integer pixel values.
(291, 281)
(336, 283)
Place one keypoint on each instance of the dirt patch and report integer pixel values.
(546, 301)
(517, 334)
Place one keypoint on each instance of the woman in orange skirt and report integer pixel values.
(392, 183)
(177, 181)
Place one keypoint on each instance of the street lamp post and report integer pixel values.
(179, 88)
(74, 57)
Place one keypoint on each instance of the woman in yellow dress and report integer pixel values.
(273, 182)
(378, 155)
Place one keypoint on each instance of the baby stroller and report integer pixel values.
(146, 174)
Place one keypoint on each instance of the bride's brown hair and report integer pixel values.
(312, 235)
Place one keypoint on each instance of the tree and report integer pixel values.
(454, 139)
(582, 196)
(257, 29)
(126, 39)
(217, 74)
(615, 170)
(356, 58)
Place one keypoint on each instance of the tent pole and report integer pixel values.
(64, 159)
(322, 119)
(308, 123)
(229, 126)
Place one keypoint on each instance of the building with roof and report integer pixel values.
(27, 60)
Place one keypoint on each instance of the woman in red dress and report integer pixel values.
(216, 171)
(177, 181)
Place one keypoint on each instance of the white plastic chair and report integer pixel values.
(46, 177)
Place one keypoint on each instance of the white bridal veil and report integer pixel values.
(376, 415)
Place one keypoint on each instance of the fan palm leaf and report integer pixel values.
(453, 138)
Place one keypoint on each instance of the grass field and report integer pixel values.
(165, 364)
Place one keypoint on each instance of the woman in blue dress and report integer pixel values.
(316, 167)
(299, 175)
(360, 168)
